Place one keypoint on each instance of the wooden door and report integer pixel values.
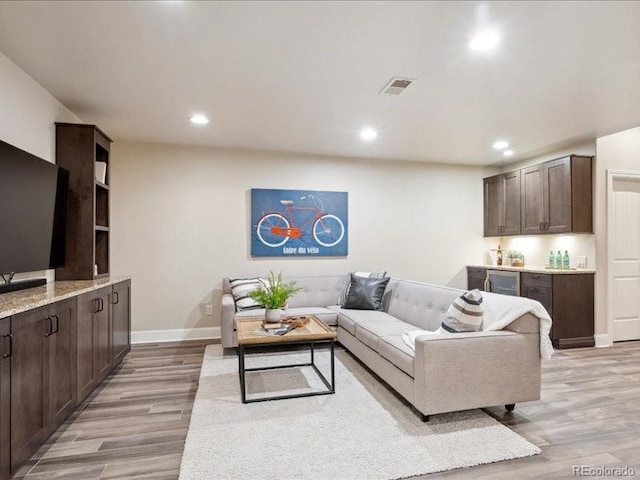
(61, 363)
(5, 400)
(557, 195)
(532, 205)
(86, 370)
(511, 203)
(625, 259)
(121, 320)
(102, 334)
(492, 205)
(28, 385)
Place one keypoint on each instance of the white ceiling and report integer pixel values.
(304, 77)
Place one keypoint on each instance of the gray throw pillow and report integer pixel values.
(365, 293)
(342, 297)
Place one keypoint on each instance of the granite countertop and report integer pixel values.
(13, 303)
(535, 269)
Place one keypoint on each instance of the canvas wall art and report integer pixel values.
(299, 223)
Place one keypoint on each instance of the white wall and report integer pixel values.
(536, 247)
(620, 151)
(180, 222)
(27, 116)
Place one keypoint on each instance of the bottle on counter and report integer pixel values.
(559, 259)
(552, 260)
(566, 260)
(499, 255)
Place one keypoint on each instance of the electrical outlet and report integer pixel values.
(208, 309)
(581, 262)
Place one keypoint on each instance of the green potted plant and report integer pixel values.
(274, 295)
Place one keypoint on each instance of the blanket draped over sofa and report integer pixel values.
(443, 372)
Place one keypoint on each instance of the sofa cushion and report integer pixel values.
(465, 313)
(420, 304)
(342, 298)
(397, 352)
(318, 291)
(241, 288)
(348, 319)
(370, 332)
(365, 293)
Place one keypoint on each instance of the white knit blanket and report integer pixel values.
(499, 312)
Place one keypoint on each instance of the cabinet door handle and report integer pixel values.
(101, 303)
(50, 325)
(487, 285)
(546, 226)
(115, 298)
(57, 323)
(9, 350)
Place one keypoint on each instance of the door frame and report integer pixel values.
(612, 176)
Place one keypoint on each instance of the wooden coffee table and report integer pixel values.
(313, 333)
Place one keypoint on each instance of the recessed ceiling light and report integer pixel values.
(368, 134)
(507, 153)
(199, 119)
(500, 145)
(484, 41)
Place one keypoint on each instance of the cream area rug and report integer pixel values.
(363, 431)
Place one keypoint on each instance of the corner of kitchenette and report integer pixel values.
(538, 229)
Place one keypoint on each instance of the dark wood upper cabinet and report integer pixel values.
(551, 197)
(502, 204)
(532, 213)
(557, 196)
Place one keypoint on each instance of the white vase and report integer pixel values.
(272, 315)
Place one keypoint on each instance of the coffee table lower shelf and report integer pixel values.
(331, 385)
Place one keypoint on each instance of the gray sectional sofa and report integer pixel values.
(446, 372)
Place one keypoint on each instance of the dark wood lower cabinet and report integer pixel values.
(569, 299)
(121, 316)
(5, 398)
(94, 340)
(28, 383)
(61, 364)
(51, 358)
(43, 378)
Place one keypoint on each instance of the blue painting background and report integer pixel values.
(264, 201)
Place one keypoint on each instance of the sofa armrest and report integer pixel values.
(475, 369)
(227, 318)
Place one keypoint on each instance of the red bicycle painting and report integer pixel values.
(275, 228)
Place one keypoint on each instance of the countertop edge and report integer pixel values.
(11, 303)
(535, 269)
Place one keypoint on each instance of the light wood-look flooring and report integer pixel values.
(134, 426)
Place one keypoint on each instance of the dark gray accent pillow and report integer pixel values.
(365, 293)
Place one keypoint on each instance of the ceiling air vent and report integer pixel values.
(396, 86)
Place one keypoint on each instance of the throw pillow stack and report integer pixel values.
(465, 314)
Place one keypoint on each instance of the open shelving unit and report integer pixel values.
(78, 148)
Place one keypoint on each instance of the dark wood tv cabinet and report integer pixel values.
(57, 344)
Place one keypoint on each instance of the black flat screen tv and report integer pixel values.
(33, 212)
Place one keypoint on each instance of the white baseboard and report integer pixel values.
(602, 340)
(174, 335)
